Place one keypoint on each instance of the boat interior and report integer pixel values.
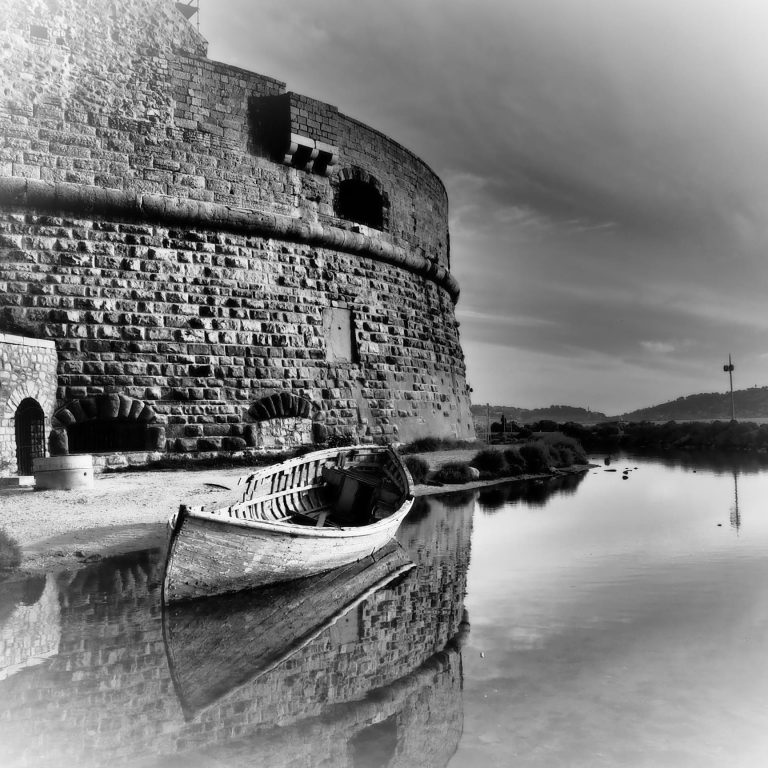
(334, 489)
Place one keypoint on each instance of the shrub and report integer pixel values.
(455, 472)
(418, 468)
(564, 451)
(10, 552)
(422, 445)
(536, 457)
(489, 461)
(340, 441)
(567, 456)
(556, 458)
(545, 425)
(515, 462)
(432, 444)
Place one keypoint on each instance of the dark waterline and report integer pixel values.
(615, 622)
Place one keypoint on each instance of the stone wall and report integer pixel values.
(27, 370)
(173, 224)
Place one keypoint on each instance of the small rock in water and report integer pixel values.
(719, 525)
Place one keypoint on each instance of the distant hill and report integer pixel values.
(558, 413)
(750, 404)
(710, 406)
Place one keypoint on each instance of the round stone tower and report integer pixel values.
(222, 264)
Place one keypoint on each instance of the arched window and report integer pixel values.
(30, 434)
(359, 197)
(360, 201)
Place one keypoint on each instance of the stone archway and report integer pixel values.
(360, 197)
(106, 424)
(29, 428)
(283, 421)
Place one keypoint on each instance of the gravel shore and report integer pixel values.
(126, 511)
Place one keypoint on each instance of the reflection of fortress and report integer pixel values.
(29, 624)
(388, 673)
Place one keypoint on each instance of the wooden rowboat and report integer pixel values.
(295, 519)
(217, 645)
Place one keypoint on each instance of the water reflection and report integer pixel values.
(719, 462)
(533, 494)
(386, 672)
(29, 623)
(217, 644)
(735, 513)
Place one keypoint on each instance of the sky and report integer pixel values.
(606, 163)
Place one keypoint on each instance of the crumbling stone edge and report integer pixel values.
(61, 197)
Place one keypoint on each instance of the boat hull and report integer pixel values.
(209, 557)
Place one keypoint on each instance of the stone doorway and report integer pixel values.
(30, 434)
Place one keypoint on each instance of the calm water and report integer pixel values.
(597, 621)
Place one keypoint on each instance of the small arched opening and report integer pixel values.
(360, 198)
(30, 434)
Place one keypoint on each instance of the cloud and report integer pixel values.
(658, 347)
(604, 162)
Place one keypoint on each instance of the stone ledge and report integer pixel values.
(83, 200)
(26, 341)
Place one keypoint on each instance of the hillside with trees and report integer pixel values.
(557, 413)
(750, 404)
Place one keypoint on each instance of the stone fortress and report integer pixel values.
(194, 259)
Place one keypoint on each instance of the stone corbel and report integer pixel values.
(301, 151)
(310, 155)
(327, 156)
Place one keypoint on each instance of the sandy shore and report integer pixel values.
(125, 512)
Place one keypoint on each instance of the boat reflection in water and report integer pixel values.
(204, 639)
(361, 667)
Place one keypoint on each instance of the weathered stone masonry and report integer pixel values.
(27, 373)
(195, 238)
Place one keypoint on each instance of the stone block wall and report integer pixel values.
(172, 224)
(27, 370)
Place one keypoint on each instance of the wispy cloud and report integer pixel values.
(605, 162)
(658, 347)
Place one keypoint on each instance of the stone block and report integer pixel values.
(58, 442)
(233, 444)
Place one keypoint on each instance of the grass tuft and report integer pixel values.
(10, 552)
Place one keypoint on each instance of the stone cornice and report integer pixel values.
(81, 200)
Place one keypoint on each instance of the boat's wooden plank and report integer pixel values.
(290, 491)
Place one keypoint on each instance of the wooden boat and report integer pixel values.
(295, 519)
(217, 645)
